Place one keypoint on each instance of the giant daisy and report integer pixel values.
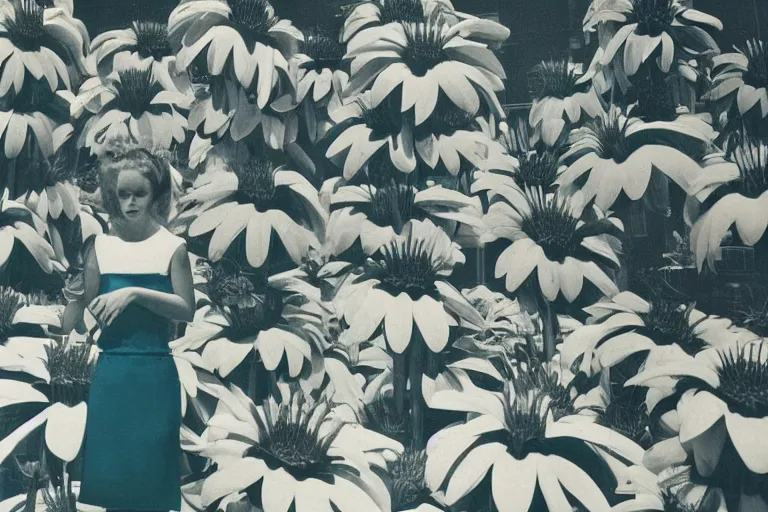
(558, 100)
(249, 194)
(514, 436)
(449, 141)
(631, 325)
(56, 374)
(35, 119)
(317, 459)
(320, 82)
(365, 133)
(619, 153)
(548, 236)
(130, 102)
(145, 39)
(742, 76)
(277, 319)
(405, 283)
(730, 191)
(244, 41)
(19, 225)
(663, 30)
(41, 41)
(383, 12)
(375, 215)
(427, 58)
(722, 398)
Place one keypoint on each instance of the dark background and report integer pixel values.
(541, 29)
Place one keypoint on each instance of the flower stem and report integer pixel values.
(399, 382)
(253, 376)
(417, 400)
(549, 328)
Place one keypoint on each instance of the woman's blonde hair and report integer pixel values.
(124, 154)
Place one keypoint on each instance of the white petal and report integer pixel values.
(65, 430)
(399, 323)
(513, 482)
(471, 471)
(430, 318)
(233, 477)
(748, 436)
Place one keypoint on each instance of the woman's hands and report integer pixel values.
(106, 307)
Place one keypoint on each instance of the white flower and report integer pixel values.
(725, 399)
(427, 57)
(619, 153)
(405, 284)
(547, 235)
(63, 373)
(313, 456)
(731, 191)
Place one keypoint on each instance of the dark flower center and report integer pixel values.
(629, 419)
(754, 319)
(610, 135)
(552, 79)
(10, 303)
(652, 16)
(34, 97)
(751, 158)
(425, 42)
(384, 120)
(70, 371)
(537, 169)
(152, 39)
(255, 182)
(407, 479)
(392, 205)
(757, 65)
(669, 324)
(253, 20)
(744, 380)
(254, 305)
(405, 11)
(551, 225)
(326, 52)
(136, 91)
(290, 442)
(26, 31)
(655, 101)
(381, 416)
(409, 267)
(446, 119)
(525, 417)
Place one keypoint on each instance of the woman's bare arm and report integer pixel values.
(73, 312)
(179, 305)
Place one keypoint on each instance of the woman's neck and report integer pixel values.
(133, 233)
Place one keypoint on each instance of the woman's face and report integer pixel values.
(134, 192)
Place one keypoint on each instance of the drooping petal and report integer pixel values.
(471, 471)
(748, 436)
(65, 429)
(233, 477)
(399, 323)
(513, 482)
(430, 318)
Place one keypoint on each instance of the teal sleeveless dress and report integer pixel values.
(131, 449)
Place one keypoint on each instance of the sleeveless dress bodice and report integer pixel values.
(144, 264)
(131, 449)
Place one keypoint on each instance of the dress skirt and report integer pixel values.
(131, 449)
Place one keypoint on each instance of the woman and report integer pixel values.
(137, 279)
